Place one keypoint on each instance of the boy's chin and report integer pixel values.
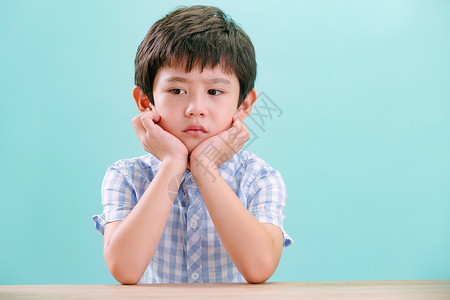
(192, 148)
(192, 144)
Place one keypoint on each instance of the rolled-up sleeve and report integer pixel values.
(118, 196)
(267, 199)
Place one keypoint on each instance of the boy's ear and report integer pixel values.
(142, 101)
(246, 105)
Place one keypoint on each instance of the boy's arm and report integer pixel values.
(255, 248)
(129, 244)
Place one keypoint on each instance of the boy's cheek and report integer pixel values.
(228, 126)
(232, 121)
(163, 124)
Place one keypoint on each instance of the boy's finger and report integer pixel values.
(138, 127)
(156, 117)
(153, 115)
(239, 123)
(147, 122)
(233, 130)
(137, 124)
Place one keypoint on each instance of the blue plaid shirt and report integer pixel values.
(190, 249)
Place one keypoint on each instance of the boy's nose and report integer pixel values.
(196, 107)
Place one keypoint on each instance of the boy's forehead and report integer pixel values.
(215, 74)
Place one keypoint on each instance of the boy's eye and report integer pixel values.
(214, 92)
(177, 91)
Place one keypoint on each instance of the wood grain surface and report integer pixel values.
(423, 289)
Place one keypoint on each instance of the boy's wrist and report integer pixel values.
(203, 169)
(177, 161)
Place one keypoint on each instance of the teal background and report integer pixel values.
(363, 142)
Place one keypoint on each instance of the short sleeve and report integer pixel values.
(267, 200)
(118, 196)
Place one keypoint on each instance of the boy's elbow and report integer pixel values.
(127, 281)
(259, 273)
(256, 277)
(124, 275)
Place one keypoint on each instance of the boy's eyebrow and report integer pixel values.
(185, 80)
(219, 80)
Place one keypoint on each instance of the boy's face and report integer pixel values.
(197, 105)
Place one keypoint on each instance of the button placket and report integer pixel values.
(193, 242)
(194, 223)
(195, 276)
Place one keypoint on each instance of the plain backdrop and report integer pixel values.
(361, 135)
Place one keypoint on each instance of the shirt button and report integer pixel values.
(194, 224)
(195, 276)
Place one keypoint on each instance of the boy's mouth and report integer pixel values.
(195, 130)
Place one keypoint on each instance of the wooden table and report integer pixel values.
(404, 290)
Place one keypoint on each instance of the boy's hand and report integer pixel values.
(217, 149)
(156, 140)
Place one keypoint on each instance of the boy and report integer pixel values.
(197, 208)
